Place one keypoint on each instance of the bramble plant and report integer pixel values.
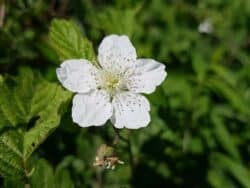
(109, 89)
(80, 109)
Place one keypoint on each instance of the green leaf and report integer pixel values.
(109, 20)
(8, 104)
(235, 168)
(11, 183)
(225, 74)
(235, 97)
(67, 40)
(49, 112)
(31, 109)
(218, 178)
(44, 176)
(15, 95)
(63, 179)
(200, 67)
(11, 158)
(223, 136)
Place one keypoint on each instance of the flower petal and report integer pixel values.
(130, 111)
(116, 53)
(147, 75)
(77, 75)
(91, 109)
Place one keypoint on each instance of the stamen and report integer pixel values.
(111, 82)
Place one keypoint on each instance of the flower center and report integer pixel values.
(111, 82)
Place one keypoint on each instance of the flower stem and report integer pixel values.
(128, 143)
(131, 156)
(125, 140)
(99, 174)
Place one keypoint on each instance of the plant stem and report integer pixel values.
(120, 136)
(128, 147)
(131, 156)
(99, 174)
(27, 180)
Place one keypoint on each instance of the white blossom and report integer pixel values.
(112, 90)
(205, 27)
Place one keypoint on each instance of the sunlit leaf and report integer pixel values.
(31, 108)
(69, 42)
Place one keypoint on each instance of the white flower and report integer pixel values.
(112, 91)
(205, 27)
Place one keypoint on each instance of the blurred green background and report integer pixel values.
(199, 135)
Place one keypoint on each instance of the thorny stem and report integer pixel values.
(129, 147)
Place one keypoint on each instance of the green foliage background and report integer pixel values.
(199, 135)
